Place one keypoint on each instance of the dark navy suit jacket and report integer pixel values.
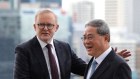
(30, 61)
(112, 67)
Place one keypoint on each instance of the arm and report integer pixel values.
(21, 69)
(78, 65)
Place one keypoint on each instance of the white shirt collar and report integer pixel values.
(43, 44)
(103, 55)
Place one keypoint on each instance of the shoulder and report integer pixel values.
(27, 44)
(119, 59)
(121, 63)
(114, 59)
(63, 43)
(122, 69)
(116, 62)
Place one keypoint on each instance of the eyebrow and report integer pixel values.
(88, 35)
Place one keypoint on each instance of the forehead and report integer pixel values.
(46, 17)
(90, 30)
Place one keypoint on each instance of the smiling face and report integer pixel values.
(45, 19)
(94, 43)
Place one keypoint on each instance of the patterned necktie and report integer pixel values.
(53, 66)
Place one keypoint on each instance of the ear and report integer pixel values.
(34, 27)
(57, 27)
(107, 37)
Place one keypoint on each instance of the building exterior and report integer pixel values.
(27, 30)
(65, 30)
(132, 23)
(9, 4)
(128, 14)
(83, 11)
(136, 17)
(44, 3)
(9, 38)
(114, 13)
(137, 61)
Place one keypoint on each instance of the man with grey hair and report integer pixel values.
(44, 57)
(105, 63)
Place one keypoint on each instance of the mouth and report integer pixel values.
(45, 33)
(89, 48)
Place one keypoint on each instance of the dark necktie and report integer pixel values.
(53, 66)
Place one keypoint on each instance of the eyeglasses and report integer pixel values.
(48, 25)
(90, 38)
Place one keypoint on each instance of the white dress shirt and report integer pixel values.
(45, 52)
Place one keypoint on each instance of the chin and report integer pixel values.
(89, 53)
(44, 39)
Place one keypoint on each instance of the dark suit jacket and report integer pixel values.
(112, 67)
(30, 61)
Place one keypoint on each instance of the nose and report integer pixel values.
(45, 28)
(85, 41)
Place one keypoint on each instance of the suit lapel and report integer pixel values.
(101, 68)
(37, 51)
(60, 56)
(105, 64)
(89, 64)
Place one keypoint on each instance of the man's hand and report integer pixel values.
(123, 53)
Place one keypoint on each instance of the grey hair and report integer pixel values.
(101, 25)
(47, 10)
